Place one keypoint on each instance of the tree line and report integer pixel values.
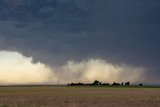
(98, 83)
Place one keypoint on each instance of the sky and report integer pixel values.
(70, 36)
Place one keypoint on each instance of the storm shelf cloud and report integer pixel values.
(79, 39)
(18, 69)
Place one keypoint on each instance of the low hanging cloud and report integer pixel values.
(18, 69)
(98, 69)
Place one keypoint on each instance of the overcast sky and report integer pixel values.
(54, 31)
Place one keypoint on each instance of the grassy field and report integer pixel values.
(65, 96)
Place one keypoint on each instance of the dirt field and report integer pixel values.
(63, 96)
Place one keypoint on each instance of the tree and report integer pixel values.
(122, 83)
(72, 84)
(96, 82)
(115, 84)
(140, 84)
(127, 83)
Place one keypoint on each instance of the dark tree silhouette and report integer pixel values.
(122, 83)
(105, 84)
(72, 84)
(127, 83)
(140, 84)
(96, 82)
(100, 83)
(76, 84)
(115, 84)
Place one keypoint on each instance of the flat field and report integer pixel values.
(66, 96)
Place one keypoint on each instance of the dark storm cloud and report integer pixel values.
(121, 31)
(56, 11)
